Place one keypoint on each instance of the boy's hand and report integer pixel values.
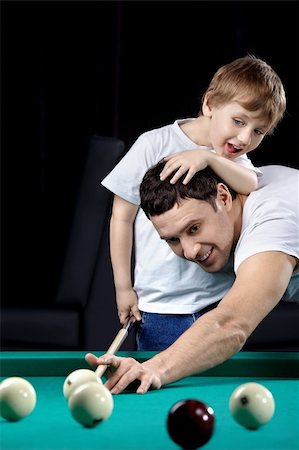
(127, 305)
(190, 161)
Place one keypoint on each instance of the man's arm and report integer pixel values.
(260, 283)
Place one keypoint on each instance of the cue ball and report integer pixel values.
(252, 405)
(17, 398)
(91, 403)
(76, 378)
(190, 423)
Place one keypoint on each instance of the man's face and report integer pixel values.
(195, 231)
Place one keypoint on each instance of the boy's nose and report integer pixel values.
(244, 137)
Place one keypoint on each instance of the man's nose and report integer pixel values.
(190, 249)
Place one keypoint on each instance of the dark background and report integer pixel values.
(72, 69)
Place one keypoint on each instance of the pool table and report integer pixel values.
(139, 421)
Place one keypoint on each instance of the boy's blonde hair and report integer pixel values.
(252, 83)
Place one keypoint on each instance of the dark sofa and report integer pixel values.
(83, 313)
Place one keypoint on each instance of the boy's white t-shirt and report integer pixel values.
(164, 282)
(271, 221)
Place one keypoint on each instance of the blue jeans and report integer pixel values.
(159, 331)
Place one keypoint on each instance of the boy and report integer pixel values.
(244, 101)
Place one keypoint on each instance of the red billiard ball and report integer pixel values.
(190, 423)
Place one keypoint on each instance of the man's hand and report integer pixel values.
(124, 372)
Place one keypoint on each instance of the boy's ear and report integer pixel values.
(206, 109)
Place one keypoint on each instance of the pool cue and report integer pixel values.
(115, 345)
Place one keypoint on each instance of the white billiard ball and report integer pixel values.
(76, 378)
(252, 405)
(91, 403)
(17, 398)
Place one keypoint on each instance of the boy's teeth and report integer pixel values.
(237, 149)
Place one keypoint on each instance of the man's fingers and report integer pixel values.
(125, 372)
(124, 376)
(91, 359)
(129, 372)
(106, 359)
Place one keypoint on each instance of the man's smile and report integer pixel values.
(205, 256)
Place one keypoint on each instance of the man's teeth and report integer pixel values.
(204, 257)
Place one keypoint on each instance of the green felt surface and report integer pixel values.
(139, 421)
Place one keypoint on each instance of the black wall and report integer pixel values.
(71, 69)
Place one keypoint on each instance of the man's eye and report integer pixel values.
(172, 240)
(194, 229)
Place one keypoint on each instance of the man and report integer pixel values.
(209, 224)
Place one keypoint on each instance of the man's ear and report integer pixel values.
(206, 108)
(224, 196)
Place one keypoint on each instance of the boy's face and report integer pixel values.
(234, 130)
(198, 233)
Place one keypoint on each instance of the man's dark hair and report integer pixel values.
(158, 196)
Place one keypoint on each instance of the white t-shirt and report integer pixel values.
(164, 282)
(271, 220)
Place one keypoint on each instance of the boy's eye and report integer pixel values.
(238, 122)
(259, 132)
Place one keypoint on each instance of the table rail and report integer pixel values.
(59, 363)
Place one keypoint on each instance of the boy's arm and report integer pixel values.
(241, 179)
(121, 244)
